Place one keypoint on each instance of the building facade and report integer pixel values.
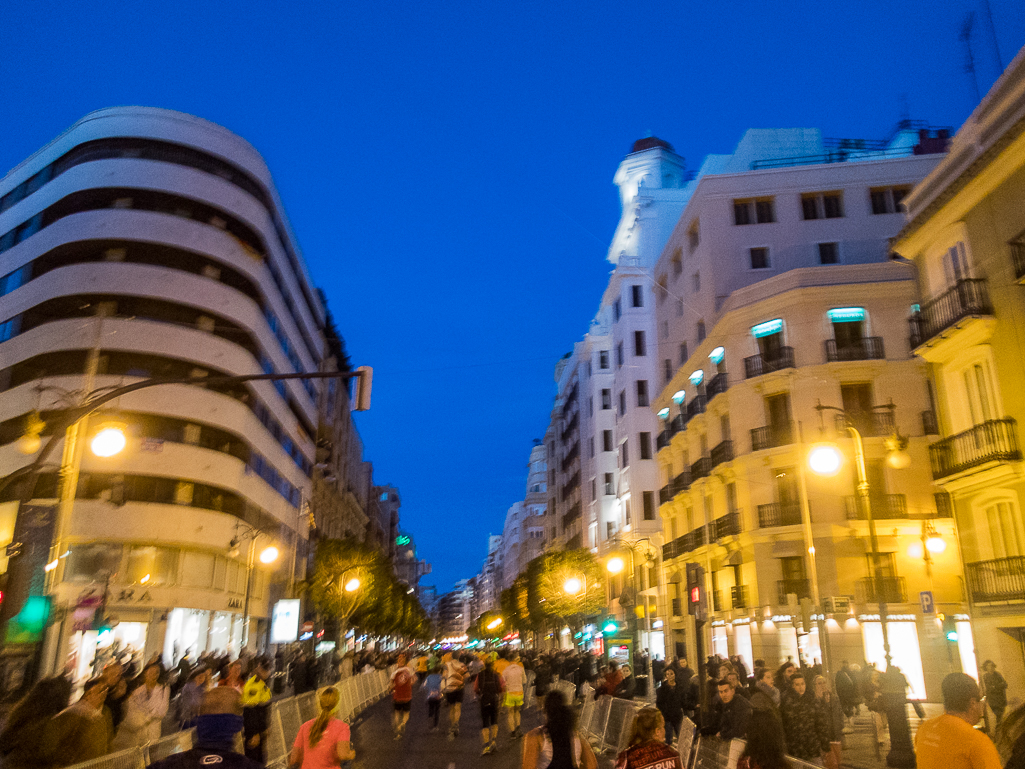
(775, 295)
(965, 237)
(148, 243)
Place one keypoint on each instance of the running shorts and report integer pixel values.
(489, 714)
(403, 707)
(514, 699)
(454, 696)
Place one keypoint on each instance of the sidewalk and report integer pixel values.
(859, 750)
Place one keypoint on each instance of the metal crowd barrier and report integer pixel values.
(607, 721)
(356, 693)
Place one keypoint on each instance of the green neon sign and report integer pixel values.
(402, 540)
(846, 314)
(767, 328)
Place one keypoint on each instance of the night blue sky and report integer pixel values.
(448, 172)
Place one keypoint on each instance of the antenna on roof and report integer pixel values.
(967, 27)
(993, 34)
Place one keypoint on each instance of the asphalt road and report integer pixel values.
(376, 748)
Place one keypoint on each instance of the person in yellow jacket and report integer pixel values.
(255, 709)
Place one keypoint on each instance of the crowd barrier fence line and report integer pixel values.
(286, 716)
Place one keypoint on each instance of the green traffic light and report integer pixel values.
(951, 635)
(610, 627)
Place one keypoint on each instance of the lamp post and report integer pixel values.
(267, 556)
(827, 459)
(575, 586)
(614, 566)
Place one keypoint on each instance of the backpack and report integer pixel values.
(490, 687)
(454, 675)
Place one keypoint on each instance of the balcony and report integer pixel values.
(1001, 580)
(697, 538)
(738, 596)
(944, 504)
(779, 514)
(868, 348)
(967, 299)
(696, 406)
(679, 422)
(680, 483)
(1018, 257)
(727, 525)
(674, 548)
(929, 424)
(721, 453)
(757, 365)
(663, 495)
(662, 440)
(717, 385)
(883, 506)
(992, 441)
(701, 468)
(771, 437)
(869, 423)
(785, 587)
(894, 590)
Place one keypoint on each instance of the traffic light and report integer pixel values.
(949, 628)
(696, 604)
(609, 627)
(364, 379)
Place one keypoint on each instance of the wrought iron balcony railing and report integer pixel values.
(868, 348)
(717, 385)
(1018, 257)
(779, 514)
(968, 297)
(701, 468)
(883, 506)
(727, 525)
(992, 441)
(674, 548)
(723, 452)
(662, 440)
(663, 495)
(679, 423)
(738, 596)
(869, 423)
(997, 581)
(680, 483)
(696, 406)
(757, 365)
(888, 589)
(799, 587)
(771, 437)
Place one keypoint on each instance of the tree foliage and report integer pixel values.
(380, 606)
(538, 597)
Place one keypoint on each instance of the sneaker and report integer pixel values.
(486, 750)
(398, 735)
(493, 746)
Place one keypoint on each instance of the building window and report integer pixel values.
(664, 329)
(590, 447)
(594, 489)
(622, 402)
(649, 505)
(642, 392)
(619, 355)
(679, 308)
(829, 253)
(683, 353)
(660, 289)
(822, 205)
(759, 258)
(590, 406)
(693, 235)
(701, 331)
(887, 200)
(760, 211)
(677, 260)
(636, 296)
(667, 370)
(696, 281)
(617, 310)
(606, 400)
(610, 486)
(624, 454)
(606, 439)
(640, 348)
(603, 359)
(645, 441)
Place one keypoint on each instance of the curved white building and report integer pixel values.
(152, 243)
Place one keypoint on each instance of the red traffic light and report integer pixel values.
(695, 595)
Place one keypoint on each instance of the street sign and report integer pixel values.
(928, 607)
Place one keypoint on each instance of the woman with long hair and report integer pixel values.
(648, 743)
(145, 709)
(25, 742)
(557, 744)
(764, 748)
(324, 741)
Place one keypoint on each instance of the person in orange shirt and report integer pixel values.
(950, 741)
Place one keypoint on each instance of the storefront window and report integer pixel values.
(720, 644)
(152, 566)
(93, 562)
(966, 648)
(904, 652)
(742, 645)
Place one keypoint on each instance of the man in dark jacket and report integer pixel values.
(730, 713)
(669, 698)
(219, 721)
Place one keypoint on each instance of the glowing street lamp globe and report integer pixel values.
(615, 565)
(494, 623)
(109, 441)
(572, 586)
(269, 555)
(934, 543)
(352, 585)
(825, 459)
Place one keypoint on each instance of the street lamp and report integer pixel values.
(571, 586)
(267, 556)
(826, 459)
(495, 623)
(109, 440)
(352, 585)
(615, 565)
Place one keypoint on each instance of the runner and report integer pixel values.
(513, 678)
(434, 696)
(488, 688)
(452, 686)
(401, 688)
(421, 668)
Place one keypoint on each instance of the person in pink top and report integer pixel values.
(323, 743)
